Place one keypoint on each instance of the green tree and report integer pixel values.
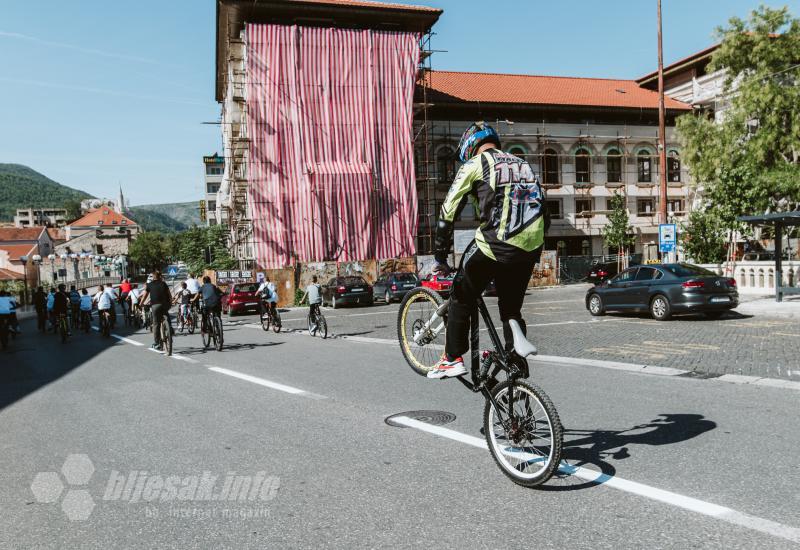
(73, 208)
(750, 160)
(703, 237)
(198, 245)
(149, 250)
(618, 232)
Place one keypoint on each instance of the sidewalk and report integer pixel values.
(789, 308)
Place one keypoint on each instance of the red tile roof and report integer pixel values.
(17, 250)
(7, 275)
(367, 4)
(21, 233)
(108, 216)
(547, 90)
(56, 234)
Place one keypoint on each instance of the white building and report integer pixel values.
(213, 170)
(49, 217)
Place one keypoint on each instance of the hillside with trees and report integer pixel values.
(23, 187)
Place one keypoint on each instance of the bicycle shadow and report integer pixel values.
(597, 447)
(227, 347)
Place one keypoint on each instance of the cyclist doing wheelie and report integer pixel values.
(509, 203)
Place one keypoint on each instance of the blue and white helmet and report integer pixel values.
(475, 136)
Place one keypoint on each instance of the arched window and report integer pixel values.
(586, 247)
(518, 150)
(582, 168)
(644, 164)
(673, 167)
(446, 165)
(550, 166)
(614, 166)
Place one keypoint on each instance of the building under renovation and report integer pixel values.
(317, 122)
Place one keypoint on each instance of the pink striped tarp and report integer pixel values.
(330, 169)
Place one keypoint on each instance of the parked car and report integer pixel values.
(664, 289)
(347, 290)
(393, 286)
(240, 298)
(602, 271)
(441, 284)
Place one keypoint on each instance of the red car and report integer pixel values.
(240, 298)
(442, 285)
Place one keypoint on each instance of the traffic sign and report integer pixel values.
(667, 237)
(172, 270)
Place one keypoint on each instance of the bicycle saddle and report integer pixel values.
(521, 344)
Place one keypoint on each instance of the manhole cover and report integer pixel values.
(436, 418)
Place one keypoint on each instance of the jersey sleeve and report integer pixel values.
(466, 177)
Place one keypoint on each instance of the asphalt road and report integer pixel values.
(93, 429)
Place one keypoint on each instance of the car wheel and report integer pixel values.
(660, 308)
(714, 314)
(387, 297)
(596, 305)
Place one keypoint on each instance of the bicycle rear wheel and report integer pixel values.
(526, 437)
(276, 322)
(205, 331)
(217, 327)
(166, 335)
(420, 332)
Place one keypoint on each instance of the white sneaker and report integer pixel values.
(448, 369)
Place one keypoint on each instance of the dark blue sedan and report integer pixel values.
(664, 289)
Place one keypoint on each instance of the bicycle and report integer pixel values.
(63, 327)
(521, 425)
(211, 330)
(186, 320)
(105, 323)
(270, 317)
(165, 333)
(86, 321)
(317, 325)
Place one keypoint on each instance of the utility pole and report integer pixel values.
(662, 139)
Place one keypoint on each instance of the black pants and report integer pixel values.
(41, 318)
(476, 271)
(313, 309)
(159, 311)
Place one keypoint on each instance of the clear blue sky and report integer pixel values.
(99, 93)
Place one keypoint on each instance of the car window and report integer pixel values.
(646, 274)
(250, 287)
(351, 281)
(405, 277)
(626, 275)
(688, 270)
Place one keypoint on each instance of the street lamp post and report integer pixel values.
(24, 260)
(38, 261)
(52, 258)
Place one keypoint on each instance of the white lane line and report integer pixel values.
(122, 338)
(184, 358)
(266, 383)
(691, 504)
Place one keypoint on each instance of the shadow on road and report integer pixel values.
(601, 448)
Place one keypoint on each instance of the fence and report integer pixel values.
(758, 277)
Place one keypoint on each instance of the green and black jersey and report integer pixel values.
(509, 203)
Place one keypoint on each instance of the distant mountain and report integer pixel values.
(166, 218)
(23, 187)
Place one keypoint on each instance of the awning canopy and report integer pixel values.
(782, 218)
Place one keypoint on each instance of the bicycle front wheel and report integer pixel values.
(276, 322)
(322, 326)
(524, 432)
(266, 318)
(420, 331)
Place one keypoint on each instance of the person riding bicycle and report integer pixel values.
(212, 301)
(160, 302)
(104, 305)
(75, 304)
(61, 305)
(509, 203)
(86, 307)
(112, 293)
(50, 301)
(314, 294)
(185, 297)
(193, 285)
(269, 296)
(6, 301)
(133, 300)
(40, 304)
(124, 290)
